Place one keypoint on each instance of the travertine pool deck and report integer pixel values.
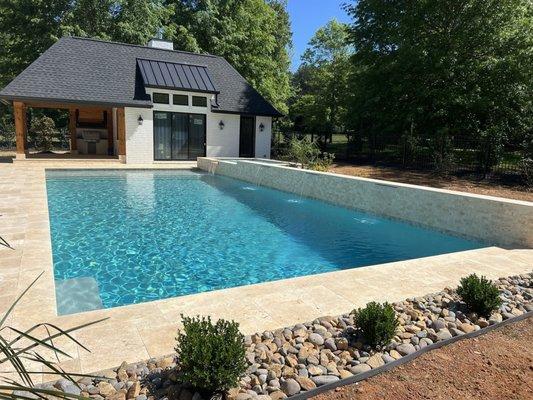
(147, 330)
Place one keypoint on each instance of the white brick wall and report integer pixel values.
(139, 138)
(220, 143)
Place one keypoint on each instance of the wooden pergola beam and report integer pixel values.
(64, 105)
(21, 129)
(73, 132)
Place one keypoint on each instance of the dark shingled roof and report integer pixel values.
(80, 70)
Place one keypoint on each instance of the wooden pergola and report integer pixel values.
(20, 109)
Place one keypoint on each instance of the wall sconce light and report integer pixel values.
(221, 125)
(140, 120)
(261, 127)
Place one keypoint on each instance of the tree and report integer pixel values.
(322, 81)
(253, 35)
(29, 27)
(443, 68)
(128, 21)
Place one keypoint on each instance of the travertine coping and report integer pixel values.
(146, 330)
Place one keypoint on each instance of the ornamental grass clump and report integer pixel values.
(210, 356)
(23, 357)
(377, 323)
(480, 295)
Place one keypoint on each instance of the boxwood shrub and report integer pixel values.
(377, 323)
(480, 295)
(210, 355)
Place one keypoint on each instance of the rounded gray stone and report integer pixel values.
(316, 339)
(405, 349)
(290, 387)
(330, 344)
(324, 379)
(357, 369)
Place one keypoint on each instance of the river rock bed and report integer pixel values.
(285, 362)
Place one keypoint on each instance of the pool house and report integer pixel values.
(143, 104)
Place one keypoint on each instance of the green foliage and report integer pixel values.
(210, 356)
(451, 67)
(43, 133)
(307, 154)
(21, 349)
(526, 170)
(253, 35)
(28, 29)
(129, 21)
(377, 323)
(7, 129)
(302, 151)
(526, 164)
(479, 294)
(321, 82)
(31, 27)
(323, 163)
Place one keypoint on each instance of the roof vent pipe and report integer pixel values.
(161, 44)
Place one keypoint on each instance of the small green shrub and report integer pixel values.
(302, 151)
(308, 155)
(479, 294)
(43, 133)
(377, 323)
(323, 163)
(210, 356)
(526, 170)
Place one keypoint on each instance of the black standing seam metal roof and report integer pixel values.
(160, 74)
(90, 71)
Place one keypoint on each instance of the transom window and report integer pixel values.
(199, 101)
(180, 100)
(160, 98)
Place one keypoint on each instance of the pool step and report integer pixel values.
(77, 295)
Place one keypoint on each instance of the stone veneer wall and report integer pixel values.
(495, 221)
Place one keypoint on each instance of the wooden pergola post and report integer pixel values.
(121, 134)
(109, 127)
(72, 130)
(21, 129)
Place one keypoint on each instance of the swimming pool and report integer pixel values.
(129, 236)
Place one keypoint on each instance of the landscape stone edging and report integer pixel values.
(405, 359)
(275, 373)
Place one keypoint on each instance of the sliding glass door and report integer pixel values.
(178, 136)
(162, 136)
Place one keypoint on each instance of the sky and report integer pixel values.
(306, 17)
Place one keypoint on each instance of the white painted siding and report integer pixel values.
(263, 139)
(223, 142)
(219, 142)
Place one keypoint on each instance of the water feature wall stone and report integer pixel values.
(495, 221)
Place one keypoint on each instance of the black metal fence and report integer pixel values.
(447, 155)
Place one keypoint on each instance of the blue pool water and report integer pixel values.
(123, 237)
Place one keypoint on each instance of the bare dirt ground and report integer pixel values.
(429, 179)
(497, 365)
